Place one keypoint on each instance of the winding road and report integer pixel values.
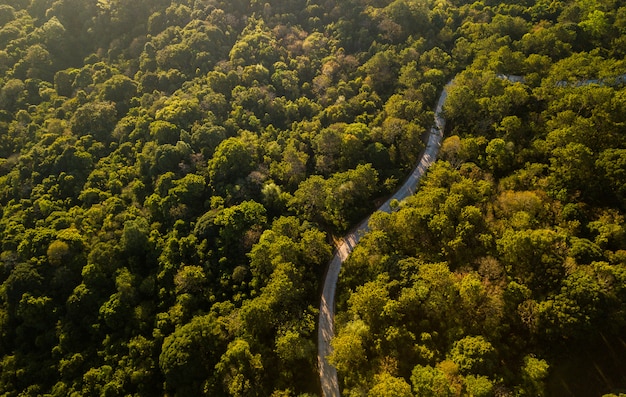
(326, 330)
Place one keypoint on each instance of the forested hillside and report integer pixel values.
(505, 274)
(172, 175)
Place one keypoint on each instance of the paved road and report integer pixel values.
(326, 330)
(328, 373)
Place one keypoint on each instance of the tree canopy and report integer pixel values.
(173, 174)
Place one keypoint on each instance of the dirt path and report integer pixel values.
(326, 330)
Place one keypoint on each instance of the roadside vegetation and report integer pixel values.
(172, 174)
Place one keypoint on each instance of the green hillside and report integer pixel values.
(173, 173)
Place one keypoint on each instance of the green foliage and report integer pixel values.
(334, 200)
(535, 371)
(232, 161)
(473, 355)
(134, 240)
(502, 243)
(349, 350)
(429, 381)
(389, 386)
(189, 355)
(94, 118)
(240, 370)
(171, 173)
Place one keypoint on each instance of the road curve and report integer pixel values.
(326, 326)
(326, 331)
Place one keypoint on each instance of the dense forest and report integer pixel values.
(173, 174)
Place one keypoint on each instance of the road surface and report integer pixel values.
(326, 329)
